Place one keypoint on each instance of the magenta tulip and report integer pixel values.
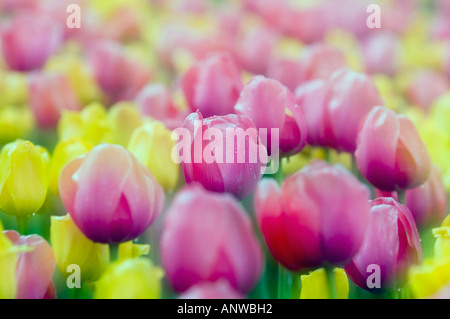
(221, 163)
(334, 108)
(216, 290)
(49, 95)
(34, 268)
(318, 215)
(110, 195)
(213, 85)
(428, 202)
(392, 243)
(29, 39)
(266, 101)
(207, 237)
(390, 153)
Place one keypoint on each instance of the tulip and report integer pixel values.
(64, 152)
(24, 178)
(71, 246)
(134, 278)
(34, 268)
(390, 153)
(442, 235)
(206, 237)
(116, 73)
(266, 101)
(211, 164)
(315, 284)
(110, 196)
(217, 290)
(49, 95)
(8, 264)
(428, 202)
(398, 250)
(130, 250)
(90, 124)
(152, 145)
(213, 85)
(29, 39)
(334, 108)
(382, 53)
(122, 119)
(318, 216)
(15, 122)
(437, 85)
(286, 71)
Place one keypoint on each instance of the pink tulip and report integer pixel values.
(110, 195)
(318, 215)
(234, 167)
(428, 202)
(118, 75)
(207, 237)
(213, 85)
(217, 290)
(287, 71)
(35, 268)
(266, 101)
(392, 243)
(436, 84)
(334, 108)
(49, 95)
(319, 61)
(29, 39)
(381, 53)
(390, 153)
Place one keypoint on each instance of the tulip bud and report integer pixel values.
(8, 264)
(123, 118)
(398, 250)
(315, 284)
(110, 196)
(401, 160)
(152, 145)
(134, 278)
(222, 165)
(317, 216)
(382, 53)
(34, 267)
(266, 102)
(428, 202)
(211, 290)
(24, 178)
(29, 39)
(130, 250)
(71, 246)
(213, 85)
(206, 237)
(15, 122)
(334, 108)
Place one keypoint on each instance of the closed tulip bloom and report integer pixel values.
(437, 84)
(122, 119)
(15, 122)
(227, 165)
(34, 268)
(135, 278)
(207, 237)
(152, 145)
(399, 249)
(315, 284)
(8, 264)
(381, 53)
(71, 246)
(49, 94)
(24, 178)
(213, 85)
(266, 102)
(211, 290)
(29, 39)
(428, 202)
(286, 71)
(110, 196)
(334, 108)
(390, 153)
(318, 215)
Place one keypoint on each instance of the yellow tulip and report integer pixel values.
(15, 122)
(13, 88)
(130, 250)
(64, 152)
(152, 145)
(315, 284)
(442, 235)
(8, 263)
(24, 178)
(123, 119)
(135, 278)
(71, 246)
(427, 279)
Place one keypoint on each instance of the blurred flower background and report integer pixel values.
(93, 205)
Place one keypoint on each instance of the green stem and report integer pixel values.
(401, 196)
(22, 225)
(113, 252)
(328, 154)
(331, 282)
(281, 281)
(278, 176)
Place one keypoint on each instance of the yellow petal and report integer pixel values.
(315, 284)
(130, 250)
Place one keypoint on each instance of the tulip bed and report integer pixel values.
(220, 149)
